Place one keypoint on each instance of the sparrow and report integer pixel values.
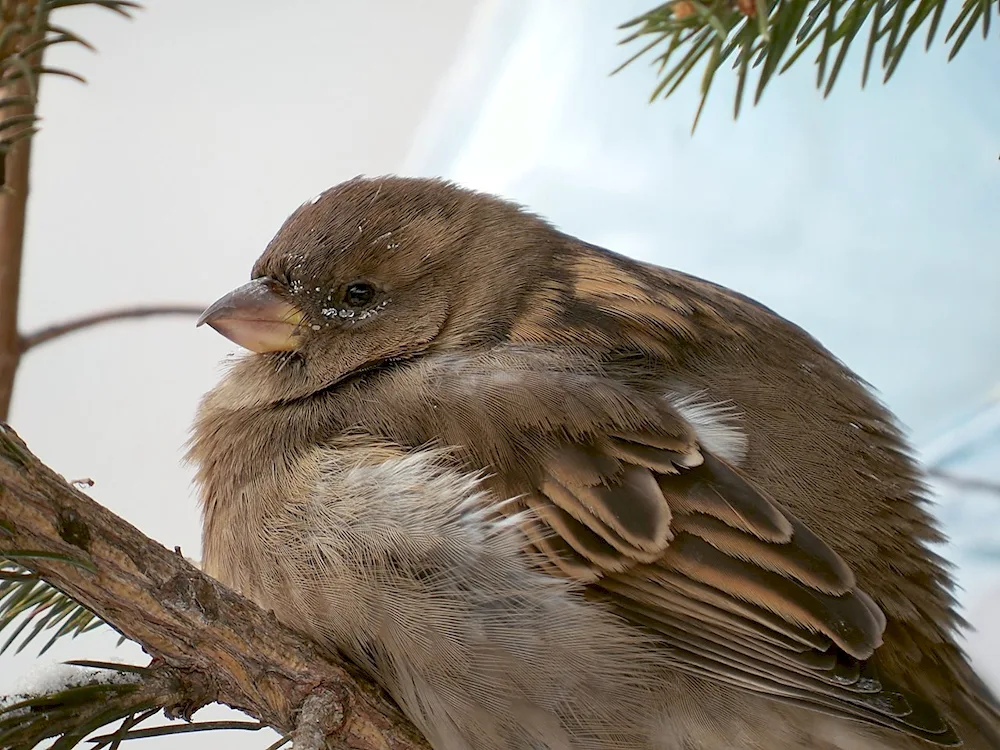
(554, 498)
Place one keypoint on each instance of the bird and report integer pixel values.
(554, 498)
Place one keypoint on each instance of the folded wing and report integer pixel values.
(678, 541)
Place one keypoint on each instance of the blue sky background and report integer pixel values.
(871, 218)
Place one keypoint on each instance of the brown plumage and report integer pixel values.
(552, 497)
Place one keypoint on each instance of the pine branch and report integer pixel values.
(771, 35)
(221, 646)
(28, 601)
(25, 33)
(92, 700)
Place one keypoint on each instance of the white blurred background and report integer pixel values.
(869, 218)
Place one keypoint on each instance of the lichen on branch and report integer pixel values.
(206, 641)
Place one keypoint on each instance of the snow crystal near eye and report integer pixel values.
(378, 308)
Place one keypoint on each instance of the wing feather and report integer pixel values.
(678, 541)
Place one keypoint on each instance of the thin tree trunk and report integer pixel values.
(18, 85)
(13, 209)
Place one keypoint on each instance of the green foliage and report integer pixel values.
(108, 694)
(769, 36)
(25, 33)
(72, 712)
(28, 602)
(100, 695)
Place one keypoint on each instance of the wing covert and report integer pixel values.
(678, 541)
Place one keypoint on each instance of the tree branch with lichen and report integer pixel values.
(207, 642)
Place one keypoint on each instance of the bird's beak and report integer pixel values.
(256, 318)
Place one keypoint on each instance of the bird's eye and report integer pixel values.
(359, 294)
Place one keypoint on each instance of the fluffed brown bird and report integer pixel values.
(552, 497)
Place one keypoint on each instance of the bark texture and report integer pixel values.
(218, 645)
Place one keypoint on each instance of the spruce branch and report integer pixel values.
(771, 35)
(26, 32)
(94, 699)
(219, 646)
(28, 601)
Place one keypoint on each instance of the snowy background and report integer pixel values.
(869, 218)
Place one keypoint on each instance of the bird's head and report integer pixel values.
(379, 270)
